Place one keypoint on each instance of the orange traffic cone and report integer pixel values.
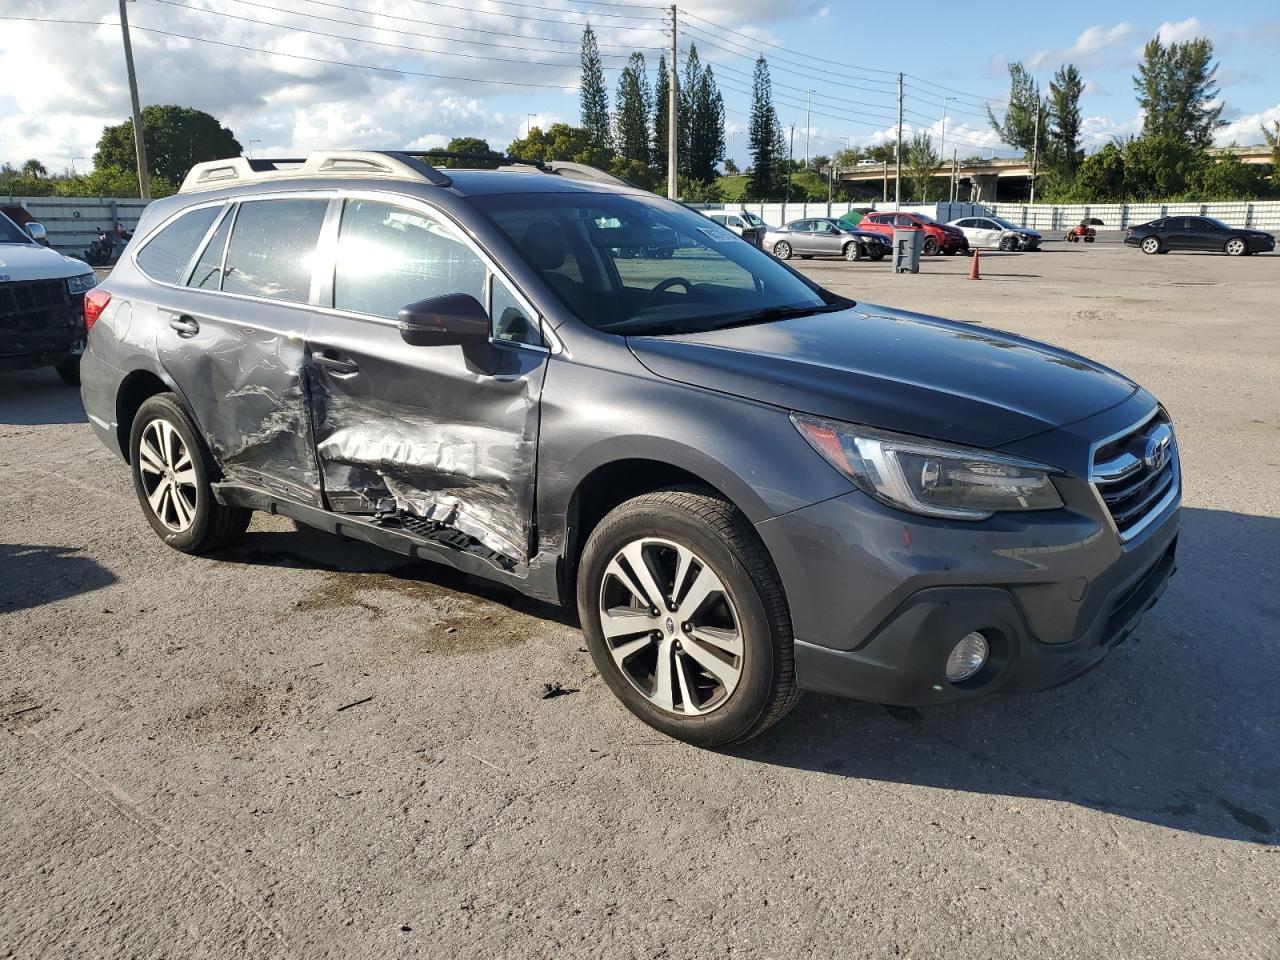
(973, 270)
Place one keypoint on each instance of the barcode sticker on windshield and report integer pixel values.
(718, 234)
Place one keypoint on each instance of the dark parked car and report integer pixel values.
(825, 237)
(746, 484)
(1198, 233)
(938, 237)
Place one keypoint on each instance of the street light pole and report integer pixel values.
(140, 148)
(897, 176)
(672, 101)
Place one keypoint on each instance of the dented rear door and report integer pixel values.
(234, 340)
(437, 438)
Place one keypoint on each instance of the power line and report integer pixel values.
(296, 56)
(542, 7)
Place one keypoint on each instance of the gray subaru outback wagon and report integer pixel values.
(749, 486)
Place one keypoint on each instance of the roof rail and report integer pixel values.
(395, 164)
(350, 163)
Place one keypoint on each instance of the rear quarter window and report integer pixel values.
(272, 245)
(167, 254)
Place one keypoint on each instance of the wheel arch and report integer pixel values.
(135, 390)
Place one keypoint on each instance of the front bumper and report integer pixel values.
(879, 597)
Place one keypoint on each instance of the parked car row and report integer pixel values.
(826, 237)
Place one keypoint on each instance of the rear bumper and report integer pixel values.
(46, 358)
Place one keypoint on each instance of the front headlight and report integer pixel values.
(927, 477)
(86, 281)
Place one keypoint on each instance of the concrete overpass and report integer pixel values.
(980, 181)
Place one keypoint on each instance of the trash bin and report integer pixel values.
(906, 250)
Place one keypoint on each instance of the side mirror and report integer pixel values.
(37, 232)
(455, 318)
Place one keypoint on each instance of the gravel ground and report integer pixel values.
(307, 748)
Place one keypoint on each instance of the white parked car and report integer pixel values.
(746, 225)
(41, 303)
(996, 233)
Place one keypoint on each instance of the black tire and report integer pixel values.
(1008, 244)
(1235, 247)
(877, 257)
(1151, 245)
(212, 525)
(782, 250)
(69, 371)
(806, 256)
(930, 247)
(853, 251)
(718, 532)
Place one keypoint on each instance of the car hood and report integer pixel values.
(894, 370)
(28, 261)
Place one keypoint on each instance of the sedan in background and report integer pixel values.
(1198, 233)
(826, 237)
(938, 237)
(746, 225)
(996, 233)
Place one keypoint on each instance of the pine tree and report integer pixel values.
(701, 121)
(1018, 125)
(767, 147)
(593, 98)
(1063, 141)
(631, 135)
(686, 99)
(661, 110)
(1177, 86)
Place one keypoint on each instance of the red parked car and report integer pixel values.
(939, 237)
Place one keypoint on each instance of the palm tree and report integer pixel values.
(35, 169)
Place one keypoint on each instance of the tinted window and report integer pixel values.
(823, 226)
(718, 218)
(635, 264)
(271, 249)
(511, 321)
(167, 254)
(391, 256)
(208, 272)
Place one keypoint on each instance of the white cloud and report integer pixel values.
(1181, 31)
(1246, 130)
(1093, 46)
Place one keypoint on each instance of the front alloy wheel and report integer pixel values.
(1150, 245)
(930, 246)
(671, 626)
(1236, 247)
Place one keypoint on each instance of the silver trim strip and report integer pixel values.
(1171, 497)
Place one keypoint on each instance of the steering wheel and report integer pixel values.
(663, 287)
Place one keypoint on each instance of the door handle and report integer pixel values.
(335, 364)
(184, 325)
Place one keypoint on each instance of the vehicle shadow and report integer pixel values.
(30, 397)
(1177, 727)
(36, 575)
(312, 549)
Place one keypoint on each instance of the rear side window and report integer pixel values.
(208, 272)
(272, 247)
(389, 257)
(167, 254)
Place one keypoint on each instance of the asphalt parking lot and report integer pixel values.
(304, 747)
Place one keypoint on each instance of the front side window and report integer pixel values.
(390, 256)
(636, 264)
(167, 254)
(823, 226)
(273, 245)
(510, 320)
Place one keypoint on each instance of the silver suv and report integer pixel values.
(746, 485)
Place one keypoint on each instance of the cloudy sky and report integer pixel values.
(290, 75)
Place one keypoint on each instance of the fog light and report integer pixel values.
(967, 657)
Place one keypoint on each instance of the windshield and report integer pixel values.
(1005, 223)
(1218, 223)
(10, 232)
(640, 265)
(925, 218)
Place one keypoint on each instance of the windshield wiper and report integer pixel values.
(770, 314)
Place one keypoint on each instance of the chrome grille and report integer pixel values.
(1136, 473)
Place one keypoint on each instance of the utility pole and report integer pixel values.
(808, 95)
(791, 149)
(1035, 152)
(140, 148)
(942, 147)
(955, 161)
(897, 176)
(672, 99)
(885, 197)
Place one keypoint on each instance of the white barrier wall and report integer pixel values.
(73, 222)
(1047, 218)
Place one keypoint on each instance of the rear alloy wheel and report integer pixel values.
(853, 251)
(1236, 247)
(685, 618)
(930, 247)
(782, 250)
(171, 477)
(1151, 245)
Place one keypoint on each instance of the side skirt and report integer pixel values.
(538, 578)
